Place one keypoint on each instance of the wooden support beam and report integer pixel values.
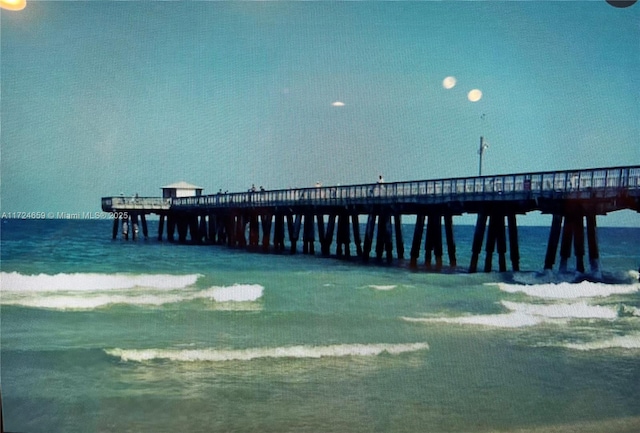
(194, 228)
(552, 243)
(565, 243)
(212, 228)
(321, 234)
(202, 228)
(397, 223)
(241, 228)
(308, 235)
(355, 224)
(490, 244)
(368, 236)
(478, 235)
(342, 237)
(160, 227)
(293, 224)
(592, 241)
(514, 247)
(451, 245)
(134, 226)
(183, 226)
(428, 243)
(125, 227)
(266, 220)
(388, 238)
(278, 233)
(417, 240)
(433, 242)
(437, 240)
(114, 230)
(171, 227)
(578, 242)
(381, 239)
(328, 234)
(143, 223)
(501, 244)
(222, 221)
(254, 230)
(230, 229)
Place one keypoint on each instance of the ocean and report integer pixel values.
(146, 336)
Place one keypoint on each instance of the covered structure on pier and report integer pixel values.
(181, 189)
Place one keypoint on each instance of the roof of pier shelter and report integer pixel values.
(181, 185)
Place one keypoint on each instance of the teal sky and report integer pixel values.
(105, 97)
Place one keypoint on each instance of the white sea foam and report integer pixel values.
(631, 341)
(508, 320)
(376, 287)
(218, 355)
(16, 282)
(521, 314)
(91, 302)
(584, 289)
(235, 293)
(578, 310)
(90, 291)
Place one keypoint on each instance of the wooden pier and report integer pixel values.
(259, 220)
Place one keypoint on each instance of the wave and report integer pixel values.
(631, 341)
(579, 310)
(509, 320)
(377, 287)
(235, 293)
(91, 302)
(16, 282)
(549, 276)
(298, 352)
(521, 315)
(564, 290)
(91, 291)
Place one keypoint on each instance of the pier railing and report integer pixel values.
(136, 203)
(569, 184)
(595, 183)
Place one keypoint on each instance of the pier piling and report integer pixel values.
(554, 239)
(478, 235)
(160, 227)
(355, 223)
(114, 230)
(417, 240)
(451, 245)
(592, 241)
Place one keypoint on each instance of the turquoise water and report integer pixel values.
(100, 336)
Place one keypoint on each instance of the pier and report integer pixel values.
(331, 215)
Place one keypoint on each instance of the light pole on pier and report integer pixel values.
(483, 146)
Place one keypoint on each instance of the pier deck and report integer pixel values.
(571, 196)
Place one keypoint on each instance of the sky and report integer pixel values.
(104, 97)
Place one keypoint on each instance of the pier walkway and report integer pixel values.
(257, 219)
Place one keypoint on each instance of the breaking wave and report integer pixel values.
(90, 291)
(631, 341)
(235, 293)
(218, 355)
(565, 290)
(378, 287)
(16, 282)
(521, 314)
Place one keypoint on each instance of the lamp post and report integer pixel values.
(483, 146)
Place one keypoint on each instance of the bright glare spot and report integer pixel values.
(13, 5)
(475, 95)
(449, 82)
(338, 104)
